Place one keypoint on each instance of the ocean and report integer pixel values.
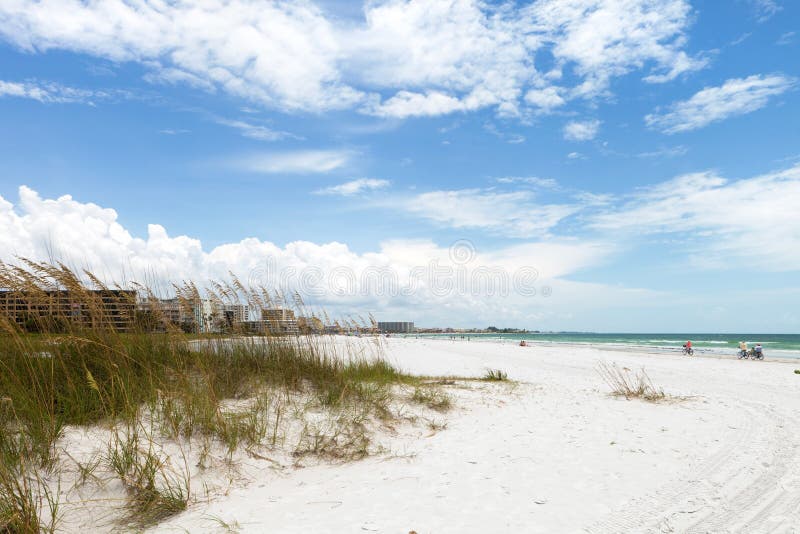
(777, 345)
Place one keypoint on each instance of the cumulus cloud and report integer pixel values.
(736, 96)
(751, 221)
(295, 162)
(581, 130)
(546, 99)
(409, 104)
(398, 277)
(404, 58)
(354, 187)
(605, 39)
(747, 223)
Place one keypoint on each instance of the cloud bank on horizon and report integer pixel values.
(397, 275)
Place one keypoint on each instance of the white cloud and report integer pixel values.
(409, 104)
(403, 58)
(48, 92)
(173, 131)
(786, 39)
(513, 214)
(508, 137)
(605, 39)
(544, 183)
(256, 131)
(576, 155)
(354, 187)
(751, 222)
(742, 38)
(765, 9)
(295, 162)
(581, 130)
(84, 235)
(547, 99)
(736, 96)
(665, 152)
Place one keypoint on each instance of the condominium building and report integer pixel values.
(396, 327)
(310, 325)
(236, 313)
(279, 321)
(57, 310)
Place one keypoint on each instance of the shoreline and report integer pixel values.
(703, 352)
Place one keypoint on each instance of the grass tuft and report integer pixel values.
(432, 397)
(495, 375)
(155, 492)
(625, 383)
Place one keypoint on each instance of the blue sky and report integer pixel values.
(642, 155)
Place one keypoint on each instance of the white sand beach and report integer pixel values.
(553, 452)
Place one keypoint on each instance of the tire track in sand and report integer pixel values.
(688, 495)
(771, 501)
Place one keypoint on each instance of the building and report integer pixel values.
(279, 321)
(310, 325)
(236, 313)
(58, 310)
(396, 327)
(200, 316)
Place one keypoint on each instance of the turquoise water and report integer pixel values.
(778, 345)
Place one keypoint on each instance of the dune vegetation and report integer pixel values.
(135, 419)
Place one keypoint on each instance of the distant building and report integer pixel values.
(310, 325)
(396, 327)
(236, 313)
(57, 310)
(279, 321)
(200, 316)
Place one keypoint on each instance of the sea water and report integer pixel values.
(776, 345)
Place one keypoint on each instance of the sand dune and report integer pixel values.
(555, 453)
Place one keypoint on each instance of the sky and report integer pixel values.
(593, 165)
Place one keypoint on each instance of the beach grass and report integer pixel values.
(147, 386)
(631, 385)
(495, 375)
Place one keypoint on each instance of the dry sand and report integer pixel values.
(554, 453)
